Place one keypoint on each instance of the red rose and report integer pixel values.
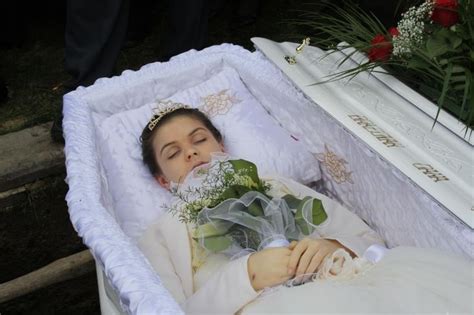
(380, 49)
(445, 12)
(393, 31)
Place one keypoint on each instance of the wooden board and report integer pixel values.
(28, 155)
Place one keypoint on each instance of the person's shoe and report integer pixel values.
(57, 130)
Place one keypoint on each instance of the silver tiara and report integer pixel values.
(162, 109)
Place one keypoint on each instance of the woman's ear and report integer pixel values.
(163, 181)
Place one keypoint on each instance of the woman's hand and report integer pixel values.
(269, 267)
(307, 256)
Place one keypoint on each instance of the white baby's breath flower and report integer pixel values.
(206, 189)
(411, 28)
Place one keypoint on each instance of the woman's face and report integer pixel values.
(181, 144)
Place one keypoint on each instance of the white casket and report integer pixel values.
(376, 151)
(382, 134)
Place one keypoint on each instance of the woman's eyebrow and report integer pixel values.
(166, 145)
(196, 130)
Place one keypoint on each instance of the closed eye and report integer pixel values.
(201, 140)
(173, 155)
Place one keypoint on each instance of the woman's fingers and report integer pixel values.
(292, 245)
(314, 265)
(307, 256)
(295, 255)
(305, 260)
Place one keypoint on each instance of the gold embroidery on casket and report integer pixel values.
(375, 131)
(219, 103)
(335, 166)
(431, 172)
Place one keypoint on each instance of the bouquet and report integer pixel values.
(431, 49)
(230, 210)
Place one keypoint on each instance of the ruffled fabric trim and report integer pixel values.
(341, 266)
(130, 274)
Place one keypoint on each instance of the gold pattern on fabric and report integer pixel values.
(219, 103)
(335, 166)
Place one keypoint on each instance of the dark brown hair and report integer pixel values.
(147, 137)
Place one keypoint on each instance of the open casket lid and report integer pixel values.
(392, 119)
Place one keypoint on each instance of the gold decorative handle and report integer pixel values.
(304, 43)
(292, 59)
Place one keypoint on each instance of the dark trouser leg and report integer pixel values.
(13, 26)
(247, 12)
(95, 31)
(140, 19)
(188, 26)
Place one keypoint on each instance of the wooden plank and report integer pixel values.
(18, 195)
(28, 155)
(60, 270)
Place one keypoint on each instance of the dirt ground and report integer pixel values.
(33, 233)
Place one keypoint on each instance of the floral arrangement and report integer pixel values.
(431, 48)
(219, 181)
(230, 210)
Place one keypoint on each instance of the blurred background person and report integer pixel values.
(96, 32)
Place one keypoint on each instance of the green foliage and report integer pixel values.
(227, 181)
(440, 67)
(318, 214)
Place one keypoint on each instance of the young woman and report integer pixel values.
(178, 140)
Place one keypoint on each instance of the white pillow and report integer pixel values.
(249, 132)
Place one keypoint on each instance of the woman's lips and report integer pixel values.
(198, 165)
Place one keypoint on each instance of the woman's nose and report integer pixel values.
(191, 153)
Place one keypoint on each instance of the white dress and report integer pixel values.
(405, 280)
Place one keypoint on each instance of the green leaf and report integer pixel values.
(217, 243)
(443, 92)
(248, 167)
(436, 46)
(214, 228)
(318, 215)
(292, 201)
(416, 62)
(237, 191)
(442, 41)
(466, 93)
(255, 209)
(455, 42)
(234, 191)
